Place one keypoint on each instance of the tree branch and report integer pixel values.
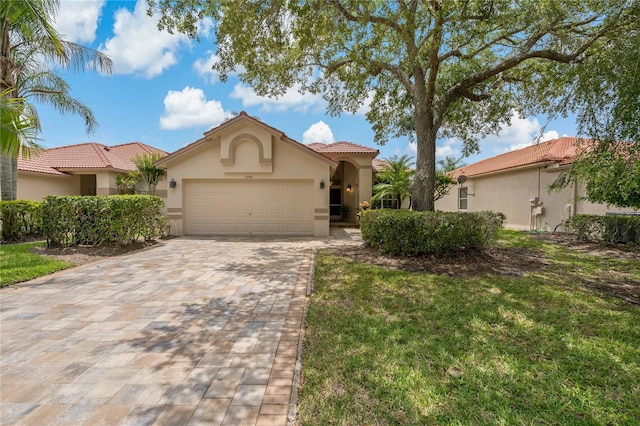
(465, 85)
(369, 18)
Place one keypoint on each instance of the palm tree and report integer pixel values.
(29, 46)
(395, 179)
(148, 171)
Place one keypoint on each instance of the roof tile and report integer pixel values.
(342, 147)
(90, 155)
(561, 151)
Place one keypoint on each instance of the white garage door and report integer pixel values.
(248, 207)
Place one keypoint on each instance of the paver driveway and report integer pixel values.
(193, 331)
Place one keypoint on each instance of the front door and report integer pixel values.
(335, 202)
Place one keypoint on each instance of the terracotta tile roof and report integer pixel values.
(89, 155)
(560, 151)
(378, 164)
(37, 162)
(342, 148)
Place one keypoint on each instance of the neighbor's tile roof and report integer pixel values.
(341, 148)
(378, 164)
(89, 155)
(37, 162)
(560, 151)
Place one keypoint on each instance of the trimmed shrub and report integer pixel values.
(82, 220)
(405, 232)
(612, 229)
(20, 218)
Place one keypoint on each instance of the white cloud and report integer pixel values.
(190, 108)
(318, 132)
(77, 21)
(448, 148)
(291, 100)
(519, 131)
(412, 148)
(138, 47)
(204, 67)
(546, 136)
(522, 132)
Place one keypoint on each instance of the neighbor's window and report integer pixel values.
(463, 196)
(388, 201)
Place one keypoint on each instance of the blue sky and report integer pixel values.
(164, 93)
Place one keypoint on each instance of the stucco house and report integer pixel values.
(517, 183)
(83, 169)
(245, 177)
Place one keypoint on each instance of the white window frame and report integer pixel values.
(463, 197)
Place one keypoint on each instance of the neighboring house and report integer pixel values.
(247, 178)
(517, 184)
(83, 169)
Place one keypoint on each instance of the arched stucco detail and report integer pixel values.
(230, 157)
(347, 160)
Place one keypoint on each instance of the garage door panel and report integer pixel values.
(248, 207)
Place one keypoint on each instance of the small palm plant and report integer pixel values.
(395, 179)
(148, 171)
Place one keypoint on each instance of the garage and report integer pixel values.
(248, 207)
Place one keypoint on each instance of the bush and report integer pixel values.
(96, 220)
(405, 232)
(611, 229)
(20, 219)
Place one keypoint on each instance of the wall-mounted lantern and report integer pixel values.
(322, 184)
(349, 188)
(173, 183)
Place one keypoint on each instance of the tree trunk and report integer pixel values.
(422, 194)
(6, 178)
(14, 178)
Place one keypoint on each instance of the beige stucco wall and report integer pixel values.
(35, 187)
(510, 193)
(289, 161)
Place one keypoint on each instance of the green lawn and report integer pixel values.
(536, 349)
(18, 264)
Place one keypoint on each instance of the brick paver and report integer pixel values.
(191, 331)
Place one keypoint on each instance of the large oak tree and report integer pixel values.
(437, 68)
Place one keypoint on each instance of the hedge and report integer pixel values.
(94, 220)
(20, 219)
(405, 232)
(611, 229)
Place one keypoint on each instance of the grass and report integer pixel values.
(536, 349)
(18, 264)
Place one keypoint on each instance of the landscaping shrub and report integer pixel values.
(611, 229)
(96, 220)
(20, 218)
(405, 232)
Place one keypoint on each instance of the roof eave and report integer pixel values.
(511, 169)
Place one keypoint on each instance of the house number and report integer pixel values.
(248, 177)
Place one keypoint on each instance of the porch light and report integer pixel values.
(322, 184)
(172, 183)
(349, 188)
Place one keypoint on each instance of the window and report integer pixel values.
(388, 201)
(463, 197)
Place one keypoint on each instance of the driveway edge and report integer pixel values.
(307, 269)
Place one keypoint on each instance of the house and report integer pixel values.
(517, 183)
(245, 177)
(83, 169)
